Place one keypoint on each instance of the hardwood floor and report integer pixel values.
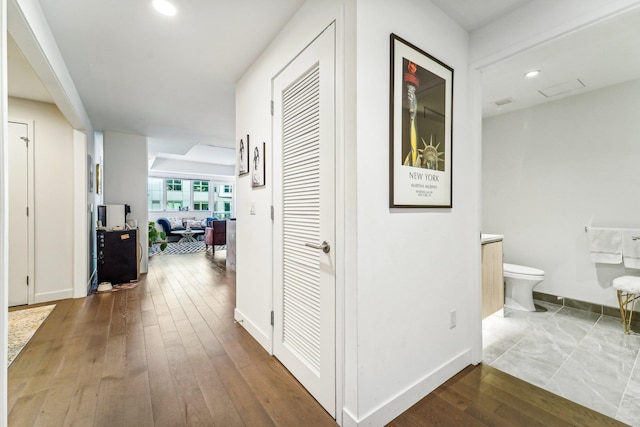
(484, 396)
(168, 353)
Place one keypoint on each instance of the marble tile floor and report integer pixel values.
(582, 356)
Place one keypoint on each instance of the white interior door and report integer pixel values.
(18, 218)
(304, 220)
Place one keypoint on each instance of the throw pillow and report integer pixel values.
(194, 223)
(175, 223)
(185, 220)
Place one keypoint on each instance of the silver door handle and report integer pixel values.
(324, 246)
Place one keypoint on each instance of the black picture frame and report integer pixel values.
(259, 165)
(421, 128)
(99, 179)
(243, 157)
(90, 171)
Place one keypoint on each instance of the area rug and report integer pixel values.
(175, 248)
(22, 325)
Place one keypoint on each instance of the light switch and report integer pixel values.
(253, 208)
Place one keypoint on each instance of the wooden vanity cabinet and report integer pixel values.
(492, 278)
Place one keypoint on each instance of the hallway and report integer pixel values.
(168, 353)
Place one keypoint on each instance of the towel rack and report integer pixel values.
(586, 228)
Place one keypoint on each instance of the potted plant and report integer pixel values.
(157, 237)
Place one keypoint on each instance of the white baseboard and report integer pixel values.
(348, 419)
(53, 296)
(410, 396)
(263, 339)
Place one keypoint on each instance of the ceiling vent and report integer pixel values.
(504, 101)
(562, 88)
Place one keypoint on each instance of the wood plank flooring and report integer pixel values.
(484, 396)
(168, 353)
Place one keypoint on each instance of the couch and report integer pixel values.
(169, 225)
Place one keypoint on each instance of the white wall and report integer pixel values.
(401, 269)
(81, 214)
(125, 181)
(414, 266)
(253, 96)
(26, 23)
(28, 27)
(551, 170)
(4, 217)
(54, 198)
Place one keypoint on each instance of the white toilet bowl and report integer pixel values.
(519, 282)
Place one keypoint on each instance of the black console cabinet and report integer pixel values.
(118, 256)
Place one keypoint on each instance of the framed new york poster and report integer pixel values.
(421, 98)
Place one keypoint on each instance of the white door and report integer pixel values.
(18, 220)
(304, 220)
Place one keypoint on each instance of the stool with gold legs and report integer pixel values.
(628, 288)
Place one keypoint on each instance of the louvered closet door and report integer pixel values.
(304, 201)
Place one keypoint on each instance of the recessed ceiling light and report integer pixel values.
(531, 74)
(164, 7)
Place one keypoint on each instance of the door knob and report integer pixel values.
(324, 246)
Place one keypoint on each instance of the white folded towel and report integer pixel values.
(631, 248)
(605, 245)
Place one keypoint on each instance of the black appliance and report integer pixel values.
(118, 256)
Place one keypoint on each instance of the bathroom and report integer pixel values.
(552, 169)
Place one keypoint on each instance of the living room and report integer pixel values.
(65, 158)
(187, 192)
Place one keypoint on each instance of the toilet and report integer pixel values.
(519, 282)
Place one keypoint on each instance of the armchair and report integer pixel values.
(215, 234)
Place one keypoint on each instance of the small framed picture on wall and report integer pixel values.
(99, 173)
(90, 171)
(243, 157)
(258, 165)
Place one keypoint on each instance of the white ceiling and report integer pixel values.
(600, 55)
(164, 77)
(473, 14)
(169, 78)
(173, 79)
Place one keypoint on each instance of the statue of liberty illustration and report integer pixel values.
(412, 84)
(427, 157)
